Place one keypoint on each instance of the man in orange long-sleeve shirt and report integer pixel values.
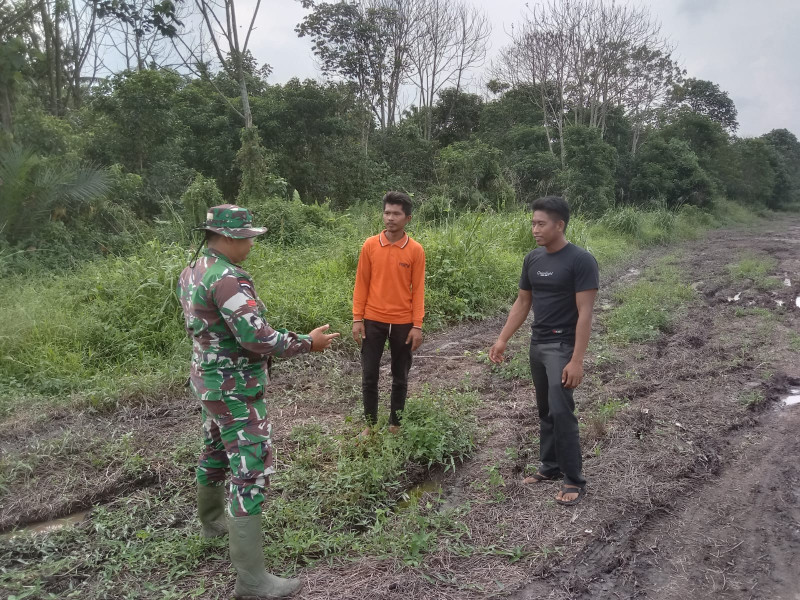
(389, 302)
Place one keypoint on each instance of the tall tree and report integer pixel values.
(452, 39)
(707, 99)
(585, 57)
(365, 42)
(221, 22)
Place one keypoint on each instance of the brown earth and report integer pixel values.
(692, 491)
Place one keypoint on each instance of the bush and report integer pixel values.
(588, 180)
(669, 172)
(624, 220)
(292, 223)
(201, 194)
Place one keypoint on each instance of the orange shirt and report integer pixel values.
(390, 281)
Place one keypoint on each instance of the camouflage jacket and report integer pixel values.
(232, 341)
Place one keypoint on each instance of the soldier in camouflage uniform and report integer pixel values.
(232, 347)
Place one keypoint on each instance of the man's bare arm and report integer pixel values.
(572, 375)
(516, 317)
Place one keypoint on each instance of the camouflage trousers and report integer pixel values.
(237, 437)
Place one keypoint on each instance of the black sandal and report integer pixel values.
(569, 488)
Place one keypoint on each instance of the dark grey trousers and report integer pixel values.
(559, 441)
(371, 351)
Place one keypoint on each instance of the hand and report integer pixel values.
(320, 340)
(414, 338)
(572, 375)
(358, 332)
(496, 351)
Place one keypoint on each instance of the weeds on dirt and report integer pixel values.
(794, 341)
(648, 307)
(332, 498)
(596, 421)
(751, 399)
(755, 269)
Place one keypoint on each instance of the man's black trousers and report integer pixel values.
(371, 351)
(559, 441)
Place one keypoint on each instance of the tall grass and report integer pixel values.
(113, 325)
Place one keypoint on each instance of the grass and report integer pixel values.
(751, 399)
(332, 499)
(112, 327)
(755, 269)
(794, 341)
(648, 307)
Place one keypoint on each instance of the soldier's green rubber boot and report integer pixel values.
(247, 555)
(211, 510)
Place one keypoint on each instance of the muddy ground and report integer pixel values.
(693, 472)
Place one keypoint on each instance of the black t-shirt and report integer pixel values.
(553, 280)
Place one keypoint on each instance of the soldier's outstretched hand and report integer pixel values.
(320, 340)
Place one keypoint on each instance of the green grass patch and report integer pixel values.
(648, 307)
(331, 499)
(752, 398)
(754, 268)
(794, 341)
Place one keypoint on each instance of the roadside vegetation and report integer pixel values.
(103, 179)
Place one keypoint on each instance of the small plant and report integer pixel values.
(794, 341)
(751, 399)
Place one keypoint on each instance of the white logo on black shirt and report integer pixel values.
(544, 273)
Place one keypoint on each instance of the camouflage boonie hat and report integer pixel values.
(231, 221)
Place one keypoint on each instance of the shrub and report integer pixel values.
(201, 194)
(625, 220)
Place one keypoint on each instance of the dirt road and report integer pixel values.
(692, 460)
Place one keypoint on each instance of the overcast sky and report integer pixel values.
(749, 48)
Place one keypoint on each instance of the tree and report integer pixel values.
(785, 160)
(135, 119)
(668, 171)
(583, 58)
(367, 43)
(221, 23)
(755, 176)
(456, 116)
(707, 99)
(470, 172)
(35, 191)
(588, 179)
(451, 39)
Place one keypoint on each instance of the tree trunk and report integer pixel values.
(47, 26)
(5, 107)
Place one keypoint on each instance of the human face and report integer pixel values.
(394, 219)
(240, 248)
(546, 230)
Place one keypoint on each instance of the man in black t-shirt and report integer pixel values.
(560, 281)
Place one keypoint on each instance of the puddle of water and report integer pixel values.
(414, 494)
(47, 526)
(793, 397)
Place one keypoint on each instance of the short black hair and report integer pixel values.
(555, 206)
(398, 198)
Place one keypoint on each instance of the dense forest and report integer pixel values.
(118, 117)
